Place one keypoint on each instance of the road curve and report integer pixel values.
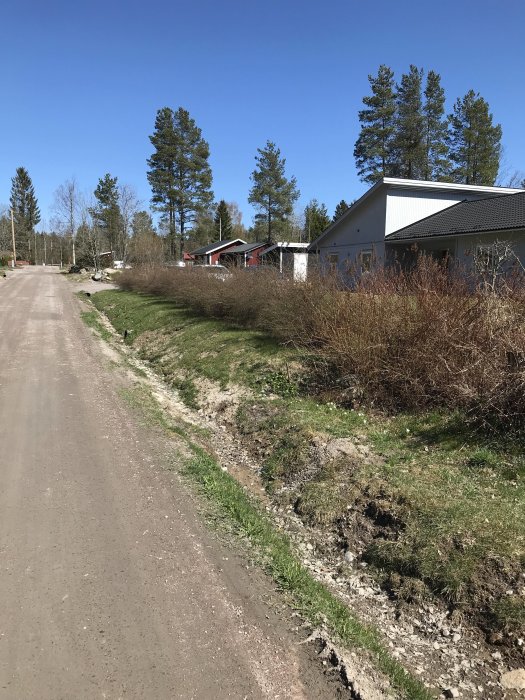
(110, 586)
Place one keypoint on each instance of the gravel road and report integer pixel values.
(111, 586)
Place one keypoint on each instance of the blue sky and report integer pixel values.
(82, 83)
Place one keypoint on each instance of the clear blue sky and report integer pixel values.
(82, 83)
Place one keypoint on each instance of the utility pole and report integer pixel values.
(13, 234)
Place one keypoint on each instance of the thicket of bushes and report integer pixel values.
(428, 337)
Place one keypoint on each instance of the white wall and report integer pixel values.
(300, 266)
(363, 229)
(405, 207)
(461, 248)
(466, 245)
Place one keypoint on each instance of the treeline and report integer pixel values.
(84, 228)
(406, 133)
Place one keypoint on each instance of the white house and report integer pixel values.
(474, 233)
(364, 234)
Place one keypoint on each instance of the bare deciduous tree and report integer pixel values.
(129, 205)
(67, 207)
(495, 262)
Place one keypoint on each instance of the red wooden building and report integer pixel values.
(209, 254)
(244, 255)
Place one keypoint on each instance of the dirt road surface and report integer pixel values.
(110, 585)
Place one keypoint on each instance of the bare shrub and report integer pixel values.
(428, 337)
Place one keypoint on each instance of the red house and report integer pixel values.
(209, 254)
(245, 255)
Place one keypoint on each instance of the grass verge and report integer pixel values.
(92, 319)
(438, 503)
(310, 597)
(313, 600)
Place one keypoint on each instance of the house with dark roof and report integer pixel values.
(366, 235)
(209, 254)
(244, 255)
(466, 232)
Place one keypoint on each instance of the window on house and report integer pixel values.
(366, 260)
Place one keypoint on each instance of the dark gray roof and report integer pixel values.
(215, 246)
(245, 248)
(501, 213)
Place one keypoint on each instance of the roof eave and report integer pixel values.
(400, 183)
(453, 234)
(206, 251)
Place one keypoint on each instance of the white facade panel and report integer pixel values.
(405, 207)
(364, 225)
(361, 231)
(467, 245)
(300, 266)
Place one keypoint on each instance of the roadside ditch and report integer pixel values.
(324, 488)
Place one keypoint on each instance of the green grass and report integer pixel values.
(196, 345)
(456, 497)
(309, 596)
(274, 551)
(92, 319)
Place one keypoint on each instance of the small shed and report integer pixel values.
(288, 257)
(209, 254)
(244, 255)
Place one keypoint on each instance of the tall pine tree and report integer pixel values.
(408, 144)
(436, 163)
(222, 222)
(316, 220)
(26, 213)
(273, 194)
(106, 214)
(373, 148)
(340, 210)
(475, 143)
(180, 175)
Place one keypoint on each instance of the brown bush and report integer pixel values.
(428, 337)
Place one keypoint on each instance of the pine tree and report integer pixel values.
(26, 213)
(340, 210)
(142, 223)
(373, 150)
(475, 143)
(161, 175)
(408, 140)
(203, 229)
(316, 220)
(436, 165)
(222, 222)
(180, 175)
(145, 245)
(106, 214)
(272, 193)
